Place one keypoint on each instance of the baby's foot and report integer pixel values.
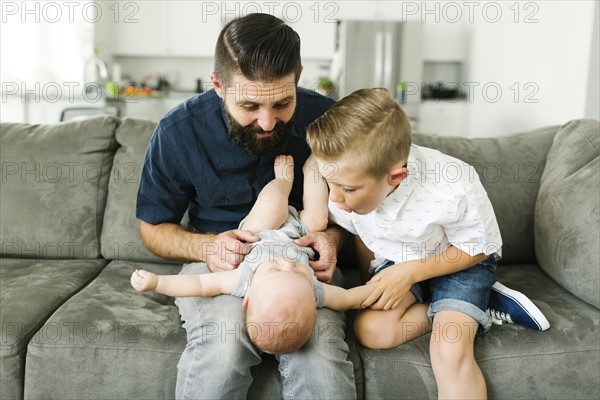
(143, 280)
(284, 168)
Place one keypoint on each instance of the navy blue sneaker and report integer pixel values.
(510, 306)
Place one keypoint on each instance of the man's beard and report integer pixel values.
(247, 137)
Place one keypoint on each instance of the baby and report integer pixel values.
(280, 290)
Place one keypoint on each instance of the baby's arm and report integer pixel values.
(271, 207)
(341, 299)
(204, 285)
(315, 212)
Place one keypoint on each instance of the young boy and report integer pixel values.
(439, 229)
(280, 290)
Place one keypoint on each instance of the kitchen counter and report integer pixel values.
(40, 109)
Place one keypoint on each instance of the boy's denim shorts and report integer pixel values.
(466, 291)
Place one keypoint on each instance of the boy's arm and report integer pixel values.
(314, 199)
(340, 299)
(204, 285)
(394, 282)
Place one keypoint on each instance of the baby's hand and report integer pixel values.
(143, 280)
(284, 168)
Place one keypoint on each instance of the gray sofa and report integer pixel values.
(73, 328)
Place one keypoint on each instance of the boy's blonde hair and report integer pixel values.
(369, 126)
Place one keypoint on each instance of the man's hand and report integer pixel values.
(392, 284)
(324, 244)
(225, 251)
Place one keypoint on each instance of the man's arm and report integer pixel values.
(222, 252)
(341, 299)
(327, 244)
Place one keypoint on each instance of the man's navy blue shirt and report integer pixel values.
(192, 164)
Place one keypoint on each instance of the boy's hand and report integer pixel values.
(227, 250)
(323, 244)
(392, 284)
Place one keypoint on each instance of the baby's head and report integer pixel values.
(280, 306)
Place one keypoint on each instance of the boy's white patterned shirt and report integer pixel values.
(440, 203)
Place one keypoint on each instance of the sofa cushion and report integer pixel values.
(116, 343)
(54, 186)
(30, 291)
(121, 344)
(567, 214)
(510, 169)
(121, 229)
(517, 362)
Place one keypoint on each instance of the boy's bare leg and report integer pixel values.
(314, 198)
(271, 208)
(452, 357)
(379, 329)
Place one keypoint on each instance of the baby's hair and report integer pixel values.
(279, 322)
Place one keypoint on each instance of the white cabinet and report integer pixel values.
(444, 118)
(137, 28)
(191, 29)
(152, 109)
(161, 28)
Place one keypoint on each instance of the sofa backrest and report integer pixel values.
(54, 187)
(510, 169)
(121, 234)
(567, 214)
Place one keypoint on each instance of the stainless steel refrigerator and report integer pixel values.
(379, 54)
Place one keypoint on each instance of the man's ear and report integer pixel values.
(245, 301)
(216, 84)
(397, 174)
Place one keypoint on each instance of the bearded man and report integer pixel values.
(211, 156)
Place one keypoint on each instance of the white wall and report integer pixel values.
(550, 56)
(592, 109)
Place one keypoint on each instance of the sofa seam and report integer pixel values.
(111, 348)
(46, 316)
(595, 350)
(584, 133)
(99, 223)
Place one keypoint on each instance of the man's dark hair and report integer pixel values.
(260, 46)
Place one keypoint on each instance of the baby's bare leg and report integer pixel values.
(271, 208)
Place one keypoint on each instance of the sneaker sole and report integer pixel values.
(531, 309)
